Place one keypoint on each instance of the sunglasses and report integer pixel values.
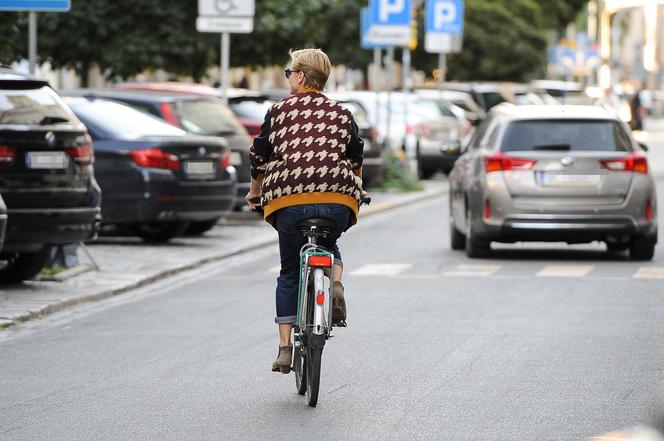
(289, 71)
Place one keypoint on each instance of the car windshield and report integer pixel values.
(40, 106)
(251, 109)
(119, 120)
(208, 117)
(602, 135)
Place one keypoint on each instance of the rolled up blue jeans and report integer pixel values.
(291, 241)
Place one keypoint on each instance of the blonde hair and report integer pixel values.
(314, 63)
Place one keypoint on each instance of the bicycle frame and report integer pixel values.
(320, 323)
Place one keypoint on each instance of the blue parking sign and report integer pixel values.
(35, 5)
(445, 16)
(390, 12)
(365, 25)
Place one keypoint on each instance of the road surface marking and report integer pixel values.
(381, 269)
(650, 272)
(565, 270)
(473, 270)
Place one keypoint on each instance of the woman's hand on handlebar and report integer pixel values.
(253, 200)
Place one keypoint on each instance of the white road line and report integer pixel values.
(650, 272)
(565, 270)
(466, 270)
(381, 269)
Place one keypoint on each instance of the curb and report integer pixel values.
(58, 306)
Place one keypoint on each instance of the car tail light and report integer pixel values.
(155, 158)
(410, 129)
(168, 114)
(499, 161)
(82, 154)
(225, 159)
(636, 162)
(320, 261)
(649, 211)
(7, 154)
(487, 209)
(320, 297)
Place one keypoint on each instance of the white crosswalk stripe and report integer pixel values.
(381, 269)
(473, 270)
(650, 272)
(565, 270)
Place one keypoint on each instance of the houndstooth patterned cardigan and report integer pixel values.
(309, 152)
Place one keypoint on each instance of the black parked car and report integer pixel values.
(46, 176)
(199, 115)
(157, 179)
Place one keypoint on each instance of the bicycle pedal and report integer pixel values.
(339, 324)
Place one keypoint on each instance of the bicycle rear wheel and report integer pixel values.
(313, 363)
(299, 366)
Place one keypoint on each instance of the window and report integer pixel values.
(33, 107)
(600, 135)
(208, 117)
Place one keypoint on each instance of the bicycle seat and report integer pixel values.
(316, 226)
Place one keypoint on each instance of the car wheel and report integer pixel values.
(613, 247)
(641, 248)
(23, 266)
(159, 232)
(475, 247)
(457, 238)
(198, 228)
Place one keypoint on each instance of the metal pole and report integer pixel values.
(225, 56)
(442, 66)
(376, 82)
(405, 58)
(32, 41)
(389, 63)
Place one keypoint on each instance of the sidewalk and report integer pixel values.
(126, 263)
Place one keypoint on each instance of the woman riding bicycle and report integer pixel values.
(306, 162)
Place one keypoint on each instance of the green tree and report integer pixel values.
(13, 44)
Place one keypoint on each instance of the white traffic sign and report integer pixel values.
(389, 22)
(233, 25)
(226, 8)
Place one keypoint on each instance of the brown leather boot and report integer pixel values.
(284, 359)
(338, 303)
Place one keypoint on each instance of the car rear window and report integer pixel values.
(601, 135)
(40, 106)
(208, 117)
(119, 120)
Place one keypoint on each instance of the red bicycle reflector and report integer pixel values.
(487, 209)
(320, 298)
(318, 261)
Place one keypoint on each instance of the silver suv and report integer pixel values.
(553, 173)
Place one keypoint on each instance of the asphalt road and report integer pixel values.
(537, 342)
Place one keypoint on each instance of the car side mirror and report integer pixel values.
(643, 146)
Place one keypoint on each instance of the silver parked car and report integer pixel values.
(553, 173)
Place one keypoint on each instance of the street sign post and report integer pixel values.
(34, 6)
(444, 26)
(225, 17)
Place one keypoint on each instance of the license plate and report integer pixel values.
(46, 160)
(236, 158)
(199, 167)
(569, 179)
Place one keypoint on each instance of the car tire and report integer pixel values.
(641, 248)
(159, 232)
(475, 247)
(24, 266)
(616, 247)
(457, 238)
(199, 228)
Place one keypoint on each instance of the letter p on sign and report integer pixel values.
(444, 14)
(389, 7)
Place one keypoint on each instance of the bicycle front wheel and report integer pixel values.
(313, 363)
(299, 366)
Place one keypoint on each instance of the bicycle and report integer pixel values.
(313, 325)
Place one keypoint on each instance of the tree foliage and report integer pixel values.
(504, 39)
